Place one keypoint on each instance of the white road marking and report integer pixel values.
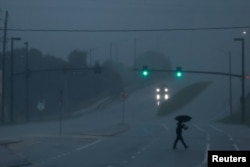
(228, 135)
(133, 157)
(70, 152)
(124, 162)
(217, 129)
(208, 137)
(59, 156)
(217, 115)
(199, 128)
(165, 127)
(236, 147)
(88, 145)
(203, 163)
(206, 152)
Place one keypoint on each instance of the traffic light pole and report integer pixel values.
(230, 84)
(195, 72)
(3, 68)
(242, 77)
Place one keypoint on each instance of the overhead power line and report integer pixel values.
(130, 30)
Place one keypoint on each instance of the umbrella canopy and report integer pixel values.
(183, 118)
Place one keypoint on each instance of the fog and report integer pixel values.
(58, 109)
(206, 50)
(191, 49)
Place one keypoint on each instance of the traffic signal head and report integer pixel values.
(145, 71)
(178, 72)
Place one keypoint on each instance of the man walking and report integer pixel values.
(179, 128)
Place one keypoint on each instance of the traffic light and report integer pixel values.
(178, 72)
(145, 71)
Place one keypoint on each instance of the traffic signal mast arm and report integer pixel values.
(193, 71)
(97, 69)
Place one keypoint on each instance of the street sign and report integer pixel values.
(124, 95)
(41, 105)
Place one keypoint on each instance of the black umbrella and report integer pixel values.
(183, 118)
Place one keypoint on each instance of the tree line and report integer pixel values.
(81, 84)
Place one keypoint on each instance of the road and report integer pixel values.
(95, 140)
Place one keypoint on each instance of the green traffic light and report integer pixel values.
(179, 74)
(145, 73)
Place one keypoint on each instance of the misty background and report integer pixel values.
(204, 50)
(202, 47)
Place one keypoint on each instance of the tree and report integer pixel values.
(77, 59)
(53, 62)
(154, 60)
(35, 59)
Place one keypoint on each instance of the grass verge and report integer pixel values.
(236, 117)
(182, 98)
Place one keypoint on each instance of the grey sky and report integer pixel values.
(124, 14)
(199, 46)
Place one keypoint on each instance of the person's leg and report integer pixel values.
(183, 142)
(175, 142)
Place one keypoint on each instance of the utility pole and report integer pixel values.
(27, 79)
(3, 68)
(90, 57)
(242, 77)
(116, 53)
(135, 52)
(111, 55)
(12, 78)
(230, 84)
(111, 49)
(61, 111)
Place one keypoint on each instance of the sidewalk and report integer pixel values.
(105, 125)
(9, 158)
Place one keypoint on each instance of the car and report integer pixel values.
(162, 94)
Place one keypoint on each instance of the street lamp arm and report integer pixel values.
(16, 38)
(238, 39)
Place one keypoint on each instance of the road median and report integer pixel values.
(182, 98)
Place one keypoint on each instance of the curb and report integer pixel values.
(11, 159)
(108, 131)
(6, 142)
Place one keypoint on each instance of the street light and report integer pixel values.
(242, 78)
(12, 74)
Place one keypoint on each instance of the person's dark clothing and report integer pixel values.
(179, 128)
